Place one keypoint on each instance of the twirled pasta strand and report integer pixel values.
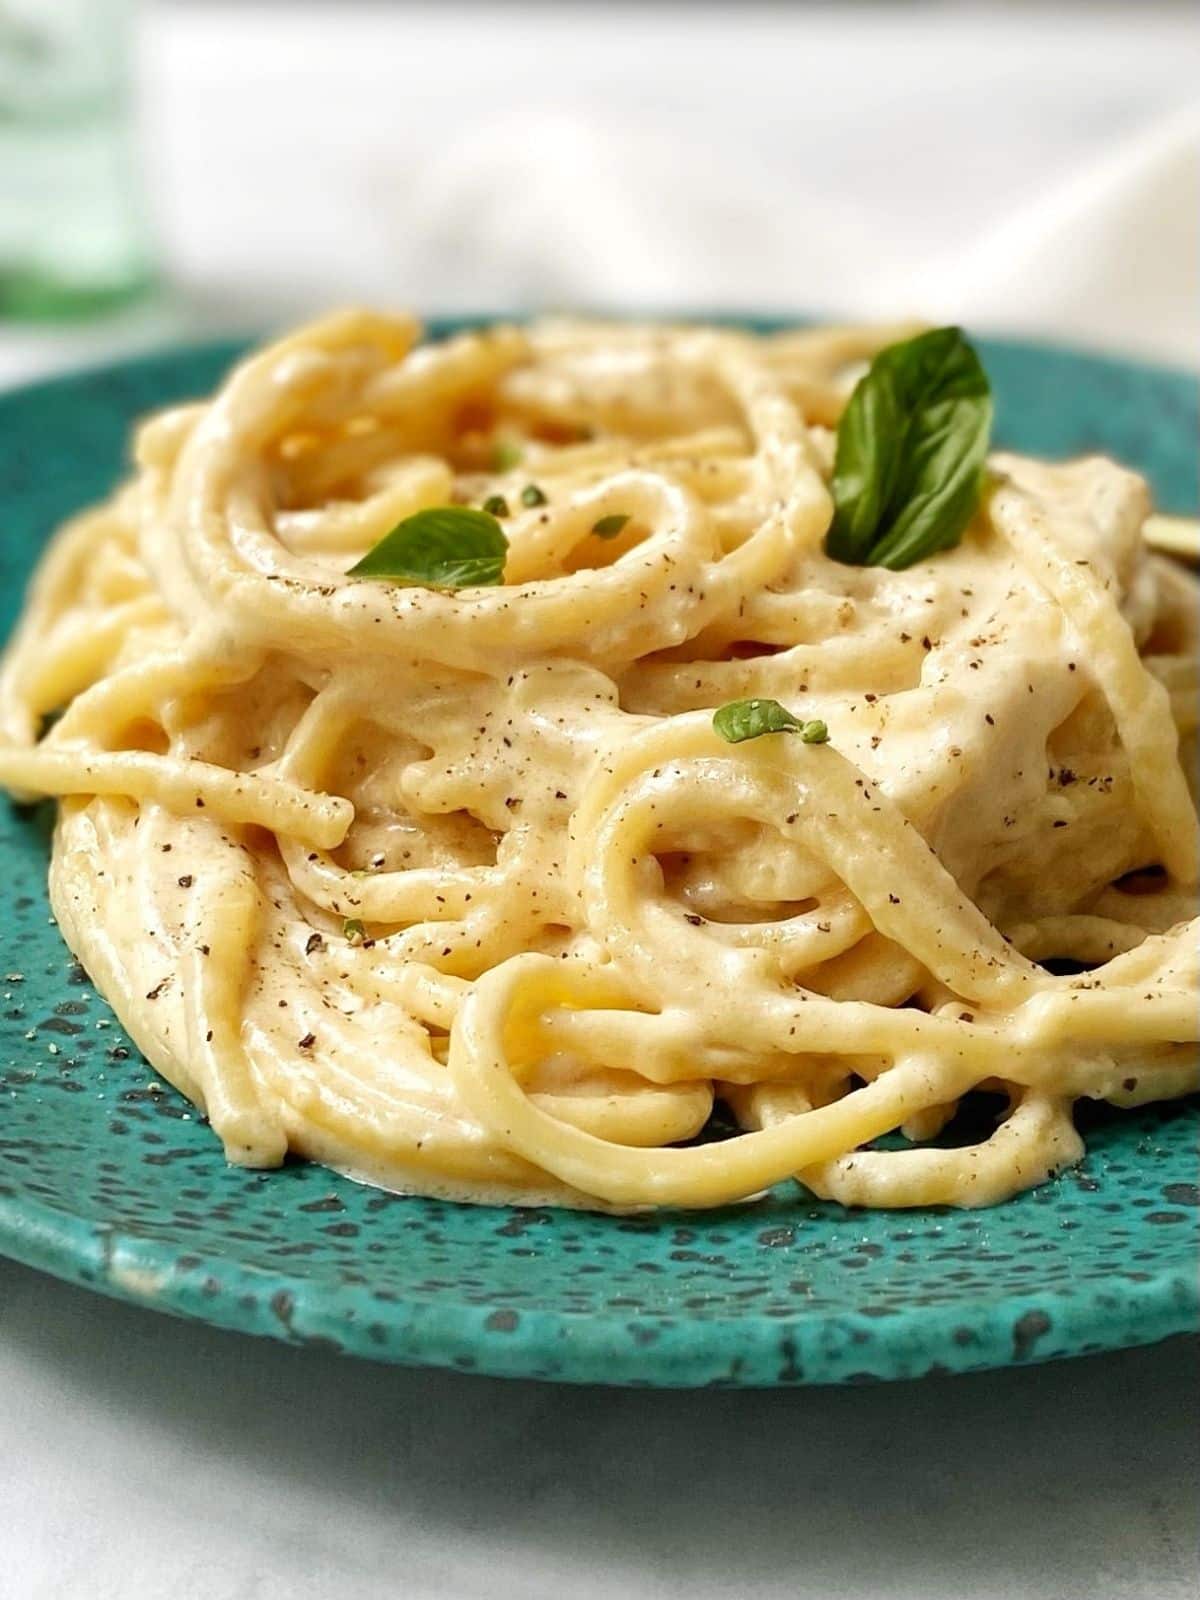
(462, 893)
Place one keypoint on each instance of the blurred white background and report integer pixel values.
(1026, 167)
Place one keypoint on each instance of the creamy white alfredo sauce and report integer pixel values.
(460, 892)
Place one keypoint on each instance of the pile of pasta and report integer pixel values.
(461, 893)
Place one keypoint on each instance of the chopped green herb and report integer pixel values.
(531, 495)
(496, 506)
(506, 455)
(353, 930)
(750, 719)
(444, 547)
(911, 446)
(609, 527)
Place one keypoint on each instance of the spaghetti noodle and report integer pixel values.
(462, 893)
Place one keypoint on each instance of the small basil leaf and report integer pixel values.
(750, 719)
(609, 527)
(444, 547)
(506, 455)
(911, 448)
(532, 495)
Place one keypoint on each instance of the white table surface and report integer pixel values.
(143, 1458)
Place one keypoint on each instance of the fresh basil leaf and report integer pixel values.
(911, 448)
(506, 455)
(496, 506)
(444, 547)
(750, 719)
(609, 527)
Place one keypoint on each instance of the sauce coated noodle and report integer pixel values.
(461, 893)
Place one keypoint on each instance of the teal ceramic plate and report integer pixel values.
(119, 1186)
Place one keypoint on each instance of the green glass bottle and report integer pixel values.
(74, 231)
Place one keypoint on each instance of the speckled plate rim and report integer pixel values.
(596, 1349)
(1014, 1330)
(1033, 1325)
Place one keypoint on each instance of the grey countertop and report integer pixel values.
(141, 1457)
